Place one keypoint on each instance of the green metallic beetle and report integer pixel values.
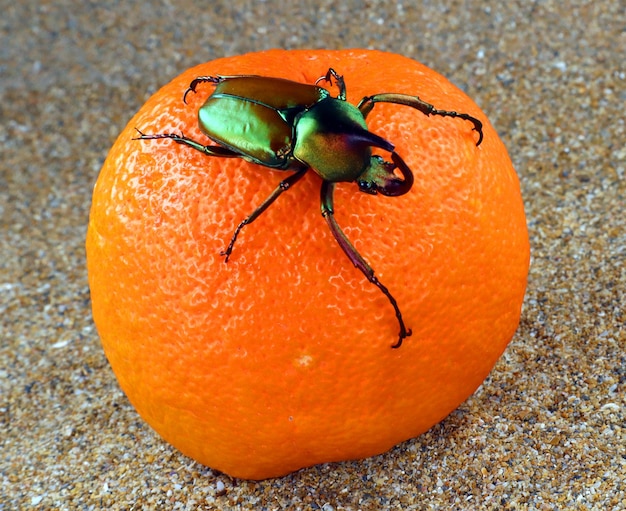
(292, 126)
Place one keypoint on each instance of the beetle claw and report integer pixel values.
(330, 74)
(402, 336)
(190, 89)
(200, 79)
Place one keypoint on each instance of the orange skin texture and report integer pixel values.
(281, 358)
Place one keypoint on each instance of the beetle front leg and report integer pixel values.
(328, 213)
(367, 104)
(380, 177)
(209, 150)
(283, 186)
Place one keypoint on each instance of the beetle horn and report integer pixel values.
(365, 137)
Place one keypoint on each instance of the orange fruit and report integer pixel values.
(281, 358)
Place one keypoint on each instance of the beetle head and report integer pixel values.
(379, 177)
(332, 138)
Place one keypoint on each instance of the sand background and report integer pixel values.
(545, 431)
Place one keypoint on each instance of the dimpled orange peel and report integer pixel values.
(281, 358)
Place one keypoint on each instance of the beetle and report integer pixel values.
(292, 126)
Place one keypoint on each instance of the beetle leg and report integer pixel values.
(367, 104)
(283, 186)
(328, 213)
(330, 74)
(200, 79)
(209, 150)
